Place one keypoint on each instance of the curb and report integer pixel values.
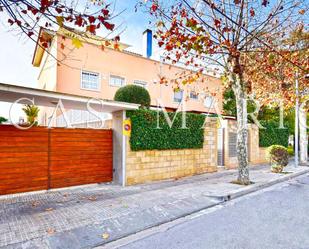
(261, 186)
(223, 199)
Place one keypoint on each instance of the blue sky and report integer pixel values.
(16, 51)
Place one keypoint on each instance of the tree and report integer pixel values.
(205, 33)
(32, 113)
(27, 16)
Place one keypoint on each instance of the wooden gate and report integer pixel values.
(41, 158)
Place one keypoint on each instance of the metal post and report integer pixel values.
(296, 119)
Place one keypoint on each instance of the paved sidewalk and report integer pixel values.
(90, 216)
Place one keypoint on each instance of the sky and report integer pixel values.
(16, 52)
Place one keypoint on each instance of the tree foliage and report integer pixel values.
(27, 16)
(133, 94)
(207, 33)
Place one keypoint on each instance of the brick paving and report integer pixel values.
(77, 217)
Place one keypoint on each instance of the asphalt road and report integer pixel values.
(274, 218)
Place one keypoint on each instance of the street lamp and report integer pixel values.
(297, 117)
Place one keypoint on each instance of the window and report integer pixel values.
(193, 95)
(90, 80)
(209, 102)
(178, 96)
(140, 83)
(116, 81)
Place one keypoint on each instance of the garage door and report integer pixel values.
(80, 156)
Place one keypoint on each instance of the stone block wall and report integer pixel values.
(155, 165)
(256, 154)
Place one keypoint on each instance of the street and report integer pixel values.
(273, 218)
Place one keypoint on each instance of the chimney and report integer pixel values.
(147, 43)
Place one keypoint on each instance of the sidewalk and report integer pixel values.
(94, 215)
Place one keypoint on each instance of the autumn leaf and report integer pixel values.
(105, 235)
(217, 23)
(109, 26)
(154, 7)
(116, 46)
(49, 209)
(302, 12)
(92, 198)
(252, 13)
(60, 20)
(91, 28)
(77, 43)
(35, 203)
(50, 231)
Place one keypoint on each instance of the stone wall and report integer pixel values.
(154, 165)
(256, 154)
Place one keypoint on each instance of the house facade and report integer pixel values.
(98, 72)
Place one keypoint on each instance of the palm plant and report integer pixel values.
(32, 113)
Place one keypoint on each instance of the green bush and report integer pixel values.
(133, 94)
(273, 135)
(2, 120)
(278, 156)
(146, 136)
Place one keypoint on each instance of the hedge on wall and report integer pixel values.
(273, 135)
(146, 136)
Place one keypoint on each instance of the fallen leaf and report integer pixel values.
(50, 231)
(35, 203)
(105, 235)
(92, 198)
(49, 209)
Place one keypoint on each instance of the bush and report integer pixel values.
(278, 157)
(290, 151)
(133, 94)
(146, 136)
(3, 120)
(273, 135)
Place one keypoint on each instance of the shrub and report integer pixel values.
(2, 120)
(290, 150)
(133, 94)
(273, 135)
(146, 136)
(278, 157)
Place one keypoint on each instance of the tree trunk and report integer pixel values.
(236, 80)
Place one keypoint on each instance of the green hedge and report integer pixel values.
(146, 136)
(133, 94)
(273, 135)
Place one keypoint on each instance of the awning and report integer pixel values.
(11, 93)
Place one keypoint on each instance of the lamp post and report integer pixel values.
(296, 119)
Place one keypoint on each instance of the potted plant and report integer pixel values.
(32, 113)
(278, 157)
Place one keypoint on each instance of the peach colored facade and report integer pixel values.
(65, 76)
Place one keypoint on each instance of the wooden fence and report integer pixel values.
(41, 158)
